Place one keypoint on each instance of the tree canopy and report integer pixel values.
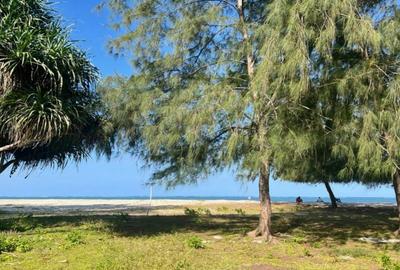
(49, 112)
(340, 61)
(190, 107)
(191, 83)
(308, 88)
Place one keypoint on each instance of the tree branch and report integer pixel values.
(246, 39)
(9, 146)
(17, 144)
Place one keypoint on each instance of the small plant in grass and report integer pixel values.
(299, 239)
(307, 253)
(316, 245)
(195, 242)
(181, 265)
(388, 264)
(204, 211)
(222, 209)
(240, 211)
(74, 238)
(191, 212)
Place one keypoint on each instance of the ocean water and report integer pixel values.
(366, 200)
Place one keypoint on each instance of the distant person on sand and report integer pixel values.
(299, 200)
(319, 200)
(338, 200)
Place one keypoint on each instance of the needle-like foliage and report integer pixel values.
(190, 107)
(339, 60)
(309, 88)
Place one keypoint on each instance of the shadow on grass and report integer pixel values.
(312, 224)
(338, 225)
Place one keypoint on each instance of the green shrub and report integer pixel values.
(388, 264)
(195, 242)
(74, 238)
(222, 209)
(191, 212)
(7, 245)
(240, 211)
(10, 244)
(204, 211)
(22, 223)
(196, 213)
(23, 246)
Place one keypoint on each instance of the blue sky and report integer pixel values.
(124, 175)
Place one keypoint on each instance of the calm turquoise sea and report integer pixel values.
(366, 200)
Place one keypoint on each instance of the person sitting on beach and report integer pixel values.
(299, 200)
(319, 200)
(338, 200)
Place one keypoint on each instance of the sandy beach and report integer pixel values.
(136, 206)
(107, 206)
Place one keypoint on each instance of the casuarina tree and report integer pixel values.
(48, 111)
(192, 106)
(339, 60)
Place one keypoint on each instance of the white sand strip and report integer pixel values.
(62, 206)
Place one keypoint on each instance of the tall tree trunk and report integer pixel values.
(264, 224)
(396, 185)
(246, 39)
(331, 195)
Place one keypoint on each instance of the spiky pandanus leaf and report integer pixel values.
(48, 109)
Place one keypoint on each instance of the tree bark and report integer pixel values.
(396, 185)
(264, 225)
(246, 39)
(331, 195)
(9, 147)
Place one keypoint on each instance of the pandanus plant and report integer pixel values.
(49, 112)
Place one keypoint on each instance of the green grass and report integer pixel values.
(308, 238)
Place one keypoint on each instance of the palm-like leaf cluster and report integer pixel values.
(48, 112)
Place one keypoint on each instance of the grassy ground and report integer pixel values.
(307, 238)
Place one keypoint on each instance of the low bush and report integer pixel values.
(204, 211)
(240, 211)
(195, 242)
(11, 244)
(388, 264)
(74, 238)
(191, 212)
